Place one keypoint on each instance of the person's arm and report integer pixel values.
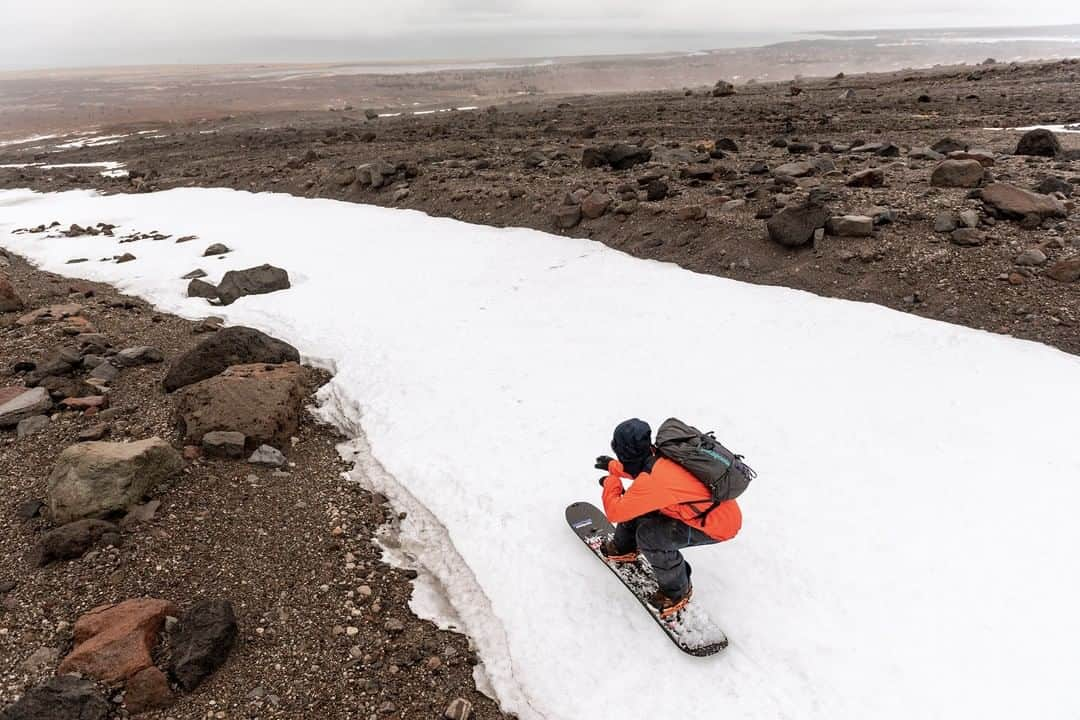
(643, 496)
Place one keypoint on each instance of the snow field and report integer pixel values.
(908, 549)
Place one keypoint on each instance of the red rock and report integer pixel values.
(148, 690)
(262, 401)
(113, 642)
(97, 402)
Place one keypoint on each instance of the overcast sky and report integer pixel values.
(54, 33)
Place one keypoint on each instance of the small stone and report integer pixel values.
(690, 213)
(31, 425)
(148, 690)
(567, 216)
(459, 709)
(267, 455)
(224, 443)
(969, 218)
(850, 226)
(1031, 258)
(94, 432)
(1066, 271)
(874, 177)
(194, 274)
(968, 237)
(944, 222)
(215, 249)
(105, 371)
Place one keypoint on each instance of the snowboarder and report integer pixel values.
(664, 510)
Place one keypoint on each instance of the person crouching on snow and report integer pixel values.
(664, 510)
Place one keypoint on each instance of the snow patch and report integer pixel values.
(917, 486)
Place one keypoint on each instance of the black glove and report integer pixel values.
(602, 462)
(602, 480)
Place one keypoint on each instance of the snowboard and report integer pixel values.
(691, 629)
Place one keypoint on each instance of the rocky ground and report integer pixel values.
(698, 178)
(240, 590)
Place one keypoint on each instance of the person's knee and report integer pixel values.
(654, 534)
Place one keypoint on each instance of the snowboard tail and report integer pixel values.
(690, 629)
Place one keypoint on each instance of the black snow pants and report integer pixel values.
(659, 538)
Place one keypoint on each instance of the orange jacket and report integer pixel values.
(665, 489)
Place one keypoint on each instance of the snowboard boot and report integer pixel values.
(613, 554)
(669, 606)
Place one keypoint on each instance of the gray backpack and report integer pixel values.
(719, 469)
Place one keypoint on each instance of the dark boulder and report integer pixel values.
(203, 640)
(229, 346)
(202, 289)
(74, 540)
(252, 281)
(65, 697)
(619, 156)
(1052, 185)
(947, 145)
(1040, 143)
(795, 226)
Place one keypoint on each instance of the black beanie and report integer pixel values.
(632, 444)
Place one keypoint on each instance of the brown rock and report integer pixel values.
(958, 173)
(9, 299)
(595, 205)
(113, 642)
(1065, 270)
(968, 237)
(1015, 203)
(49, 314)
(261, 401)
(148, 690)
(874, 177)
(690, 213)
(567, 216)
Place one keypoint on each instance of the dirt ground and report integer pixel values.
(325, 627)
(516, 164)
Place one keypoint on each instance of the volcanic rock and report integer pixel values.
(873, 177)
(147, 690)
(595, 205)
(794, 226)
(230, 346)
(1052, 185)
(261, 401)
(567, 216)
(9, 298)
(224, 443)
(74, 540)
(1039, 142)
(114, 642)
(1066, 271)
(19, 403)
(202, 289)
(958, 173)
(203, 640)
(96, 478)
(252, 281)
(850, 226)
(723, 89)
(1011, 202)
(65, 697)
